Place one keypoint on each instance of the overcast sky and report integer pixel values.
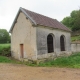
(57, 9)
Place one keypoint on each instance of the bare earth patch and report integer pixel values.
(23, 72)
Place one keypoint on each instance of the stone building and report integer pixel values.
(34, 36)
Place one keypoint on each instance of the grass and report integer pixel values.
(75, 38)
(4, 59)
(3, 46)
(72, 61)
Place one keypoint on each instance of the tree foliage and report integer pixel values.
(4, 36)
(73, 21)
(77, 22)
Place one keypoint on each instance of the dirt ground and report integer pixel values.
(23, 72)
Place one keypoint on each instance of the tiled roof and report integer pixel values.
(46, 21)
(39, 19)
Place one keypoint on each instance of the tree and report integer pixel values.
(72, 21)
(4, 36)
(76, 25)
(66, 21)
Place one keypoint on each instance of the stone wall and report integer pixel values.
(42, 33)
(23, 33)
(34, 40)
(75, 47)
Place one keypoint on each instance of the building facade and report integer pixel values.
(34, 36)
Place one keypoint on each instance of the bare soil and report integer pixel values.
(23, 72)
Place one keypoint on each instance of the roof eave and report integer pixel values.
(55, 28)
(14, 21)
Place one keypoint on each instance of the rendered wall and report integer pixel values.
(23, 33)
(34, 40)
(42, 33)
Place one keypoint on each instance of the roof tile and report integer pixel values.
(46, 21)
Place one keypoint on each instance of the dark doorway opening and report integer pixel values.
(21, 50)
(62, 43)
(50, 43)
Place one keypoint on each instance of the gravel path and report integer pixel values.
(23, 72)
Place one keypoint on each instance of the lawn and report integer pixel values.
(5, 49)
(72, 61)
(4, 59)
(4, 46)
(75, 38)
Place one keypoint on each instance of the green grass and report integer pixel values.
(5, 49)
(72, 61)
(4, 59)
(75, 38)
(3, 46)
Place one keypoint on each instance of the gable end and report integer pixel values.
(27, 17)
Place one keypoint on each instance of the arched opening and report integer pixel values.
(50, 43)
(62, 43)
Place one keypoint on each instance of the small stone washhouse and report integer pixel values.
(34, 36)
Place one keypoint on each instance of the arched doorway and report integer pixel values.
(50, 43)
(62, 43)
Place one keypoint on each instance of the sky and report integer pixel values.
(56, 9)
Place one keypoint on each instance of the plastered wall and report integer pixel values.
(23, 33)
(43, 32)
(75, 47)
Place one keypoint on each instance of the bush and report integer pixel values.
(5, 50)
(75, 28)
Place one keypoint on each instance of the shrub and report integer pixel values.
(5, 50)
